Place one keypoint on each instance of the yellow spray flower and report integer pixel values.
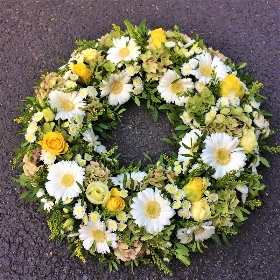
(82, 71)
(158, 37)
(194, 189)
(231, 84)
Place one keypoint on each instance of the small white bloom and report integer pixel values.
(30, 137)
(177, 169)
(40, 193)
(112, 225)
(37, 116)
(186, 118)
(94, 216)
(92, 91)
(255, 104)
(176, 204)
(66, 75)
(185, 214)
(244, 191)
(88, 157)
(186, 205)
(32, 128)
(199, 86)
(122, 226)
(83, 92)
(137, 81)
(123, 193)
(73, 129)
(170, 44)
(212, 197)
(47, 157)
(180, 194)
(89, 136)
(73, 77)
(171, 188)
(185, 69)
(203, 232)
(70, 84)
(78, 157)
(79, 210)
(121, 216)
(190, 43)
(222, 102)
(48, 205)
(234, 100)
(184, 235)
(247, 108)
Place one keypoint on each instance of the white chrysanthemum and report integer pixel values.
(176, 204)
(244, 191)
(180, 194)
(87, 157)
(63, 178)
(89, 136)
(68, 104)
(121, 216)
(73, 77)
(123, 193)
(118, 89)
(203, 232)
(40, 193)
(136, 177)
(131, 70)
(222, 153)
(247, 108)
(177, 169)
(73, 129)
(151, 210)
(185, 214)
(212, 197)
(70, 84)
(186, 69)
(233, 99)
(37, 116)
(186, 205)
(168, 89)
(124, 49)
(48, 204)
(199, 86)
(189, 140)
(78, 157)
(32, 127)
(122, 226)
(79, 210)
(171, 188)
(92, 91)
(47, 157)
(170, 44)
(83, 92)
(138, 90)
(97, 233)
(255, 104)
(94, 216)
(137, 81)
(207, 65)
(112, 225)
(186, 118)
(30, 137)
(222, 102)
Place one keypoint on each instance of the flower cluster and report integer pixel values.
(168, 209)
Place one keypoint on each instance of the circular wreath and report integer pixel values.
(167, 209)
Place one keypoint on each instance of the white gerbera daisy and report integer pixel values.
(37, 116)
(68, 104)
(79, 210)
(97, 233)
(222, 154)
(168, 89)
(151, 210)
(63, 178)
(89, 136)
(124, 49)
(47, 157)
(131, 178)
(189, 140)
(118, 89)
(207, 65)
(203, 232)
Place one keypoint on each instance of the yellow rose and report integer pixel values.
(194, 189)
(48, 115)
(248, 140)
(200, 210)
(97, 192)
(115, 202)
(54, 143)
(82, 71)
(158, 37)
(90, 54)
(231, 84)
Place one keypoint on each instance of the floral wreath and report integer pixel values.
(168, 209)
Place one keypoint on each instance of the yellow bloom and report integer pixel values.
(97, 192)
(248, 140)
(158, 37)
(48, 115)
(115, 202)
(54, 143)
(82, 71)
(90, 55)
(231, 84)
(194, 189)
(200, 210)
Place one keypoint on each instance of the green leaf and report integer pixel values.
(182, 252)
(217, 239)
(183, 259)
(181, 127)
(166, 140)
(264, 162)
(224, 237)
(147, 156)
(25, 194)
(242, 65)
(137, 101)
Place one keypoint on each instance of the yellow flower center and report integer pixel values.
(116, 87)
(199, 231)
(98, 235)
(222, 156)
(177, 87)
(123, 52)
(67, 180)
(152, 209)
(206, 70)
(67, 105)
